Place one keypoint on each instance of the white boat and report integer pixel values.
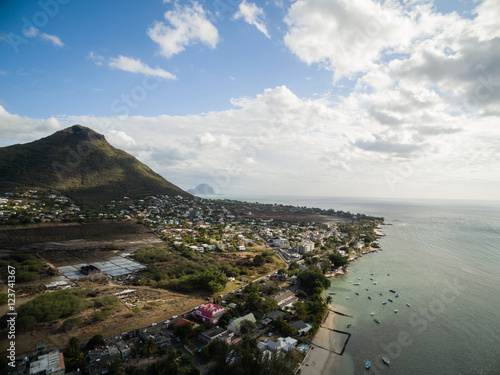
(355, 284)
(359, 278)
(374, 283)
(372, 313)
(347, 298)
(396, 310)
(386, 360)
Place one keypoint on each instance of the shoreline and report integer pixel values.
(320, 358)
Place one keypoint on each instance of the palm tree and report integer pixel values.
(329, 299)
(150, 348)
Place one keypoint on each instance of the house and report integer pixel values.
(209, 312)
(212, 334)
(275, 314)
(281, 242)
(235, 324)
(301, 327)
(285, 299)
(51, 363)
(284, 344)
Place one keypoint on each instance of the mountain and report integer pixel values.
(202, 189)
(81, 164)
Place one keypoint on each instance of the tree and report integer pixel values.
(259, 260)
(247, 327)
(149, 348)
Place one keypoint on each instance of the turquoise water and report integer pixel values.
(443, 258)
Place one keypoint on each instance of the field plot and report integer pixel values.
(70, 263)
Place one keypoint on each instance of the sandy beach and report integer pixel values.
(319, 360)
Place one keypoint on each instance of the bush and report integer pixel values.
(52, 306)
(69, 324)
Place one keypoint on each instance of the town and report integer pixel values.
(247, 282)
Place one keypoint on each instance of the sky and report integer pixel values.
(357, 98)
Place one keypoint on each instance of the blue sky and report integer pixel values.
(312, 97)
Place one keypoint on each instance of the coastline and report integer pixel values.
(320, 357)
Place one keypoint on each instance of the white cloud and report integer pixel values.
(348, 37)
(120, 139)
(98, 59)
(252, 15)
(129, 64)
(55, 40)
(187, 25)
(32, 32)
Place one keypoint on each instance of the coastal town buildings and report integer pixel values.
(209, 313)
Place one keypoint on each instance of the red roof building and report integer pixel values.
(209, 312)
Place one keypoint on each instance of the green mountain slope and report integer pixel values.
(81, 164)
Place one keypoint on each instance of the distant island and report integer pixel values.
(202, 189)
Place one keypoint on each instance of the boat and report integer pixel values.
(372, 313)
(357, 293)
(355, 284)
(371, 278)
(369, 297)
(374, 283)
(383, 303)
(397, 294)
(380, 293)
(396, 310)
(392, 291)
(333, 293)
(376, 320)
(408, 305)
(347, 298)
(388, 275)
(368, 365)
(359, 278)
(390, 300)
(349, 325)
(372, 273)
(367, 289)
(386, 360)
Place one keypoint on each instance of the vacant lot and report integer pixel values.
(15, 236)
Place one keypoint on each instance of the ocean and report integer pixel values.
(442, 258)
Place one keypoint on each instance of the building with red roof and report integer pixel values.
(209, 313)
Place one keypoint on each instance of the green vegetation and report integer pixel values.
(3, 298)
(28, 267)
(81, 164)
(338, 260)
(188, 271)
(69, 324)
(246, 359)
(51, 306)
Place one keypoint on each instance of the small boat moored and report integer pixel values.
(368, 365)
(383, 303)
(390, 300)
(386, 360)
(369, 297)
(372, 313)
(396, 310)
(392, 291)
(376, 321)
(408, 305)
